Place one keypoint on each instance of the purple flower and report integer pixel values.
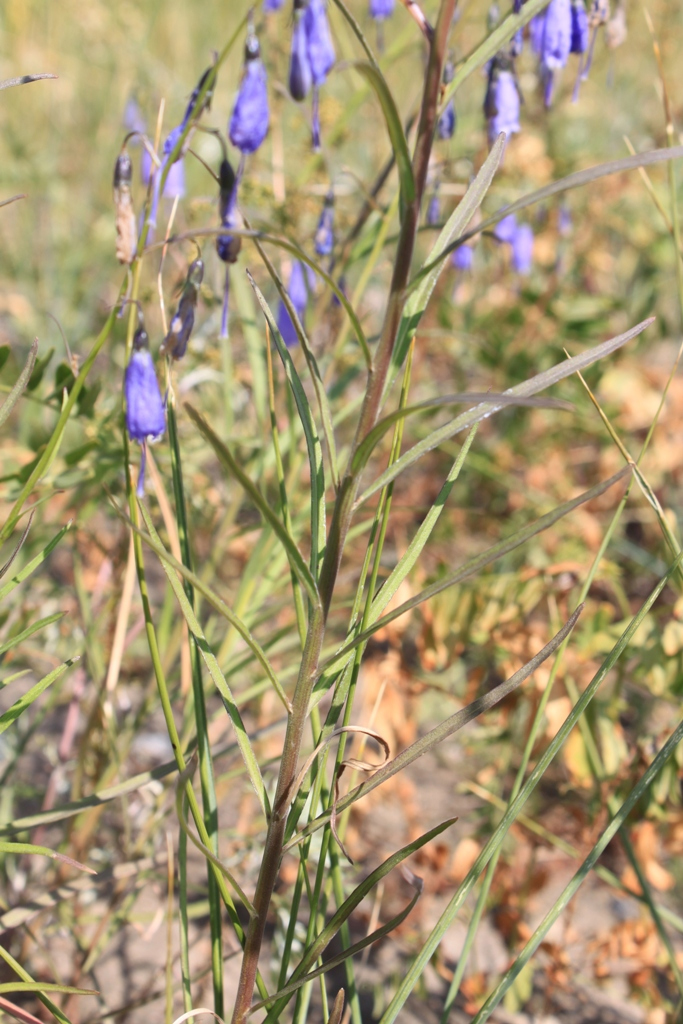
(228, 246)
(321, 55)
(180, 328)
(505, 229)
(272, 5)
(551, 34)
(523, 249)
(501, 105)
(300, 74)
(250, 115)
(298, 294)
(462, 257)
(193, 111)
(324, 235)
(434, 210)
(145, 415)
(580, 29)
(381, 9)
(445, 127)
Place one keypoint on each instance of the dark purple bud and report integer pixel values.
(321, 55)
(298, 294)
(434, 210)
(462, 257)
(502, 102)
(228, 246)
(272, 5)
(300, 74)
(324, 235)
(145, 416)
(517, 6)
(193, 109)
(523, 249)
(505, 229)
(123, 171)
(182, 322)
(551, 34)
(250, 115)
(580, 30)
(381, 9)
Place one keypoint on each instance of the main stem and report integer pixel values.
(341, 520)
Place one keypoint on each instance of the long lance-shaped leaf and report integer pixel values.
(399, 144)
(184, 778)
(321, 942)
(311, 361)
(46, 986)
(456, 225)
(29, 631)
(638, 791)
(213, 599)
(417, 967)
(575, 180)
(476, 564)
(31, 566)
(25, 702)
(315, 455)
(56, 1012)
(528, 387)
(22, 540)
(371, 440)
(43, 851)
(212, 665)
(443, 731)
(225, 456)
(22, 381)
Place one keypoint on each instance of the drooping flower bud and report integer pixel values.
(182, 322)
(324, 235)
(298, 294)
(300, 73)
(463, 257)
(381, 9)
(321, 57)
(502, 102)
(445, 127)
(523, 249)
(434, 210)
(228, 246)
(194, 110)
(250, 116)
(580, 30)
(126, 228)
(145, 415)
(551, 39)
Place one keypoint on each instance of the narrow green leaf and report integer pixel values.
(455, 226)
(225, 456)
(417, 967)
(343, 913)
(43, 851)
(315, 455)
(528, 387)
(25, 702)
(212, 665)
(20, 385)
(476, 564)
(29, 631)
(399, 144)
(445, 729)
(570, 890)
(33, 564)
(46, 986)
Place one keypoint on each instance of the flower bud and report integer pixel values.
(580, 29)
(126, 227)
(228, 246)
(321, 55)
(251, 116)
(145, 414)
(434, 210)
(523, 249)
(381, 9)
(182, 322)
(300, 74)
(502, 101)
(505, 229)
(298, 294)
(324, 235)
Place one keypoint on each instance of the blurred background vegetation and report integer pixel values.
(614, 266)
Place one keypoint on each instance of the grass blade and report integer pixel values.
(22, 381)
(25, 702)
(29, 631)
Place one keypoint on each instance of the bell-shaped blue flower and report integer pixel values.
(145, 414)
(250, 116)
(551, 34)
(321, 54)
(324, 235)
(298, 294)
(381, 9)
(502, 102)
(523, 249)
(300, 73)
(580, 28)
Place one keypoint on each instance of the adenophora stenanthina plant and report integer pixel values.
(342, 448)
